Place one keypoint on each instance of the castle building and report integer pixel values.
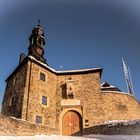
(69, 101)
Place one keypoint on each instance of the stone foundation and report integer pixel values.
(117, 129)
(16, 127)
(11, 126)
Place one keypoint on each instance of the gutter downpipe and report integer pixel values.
(29, 83)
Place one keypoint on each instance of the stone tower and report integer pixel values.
(17, 88)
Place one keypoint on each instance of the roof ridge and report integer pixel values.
(64, 71)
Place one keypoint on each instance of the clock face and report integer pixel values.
(39, 51)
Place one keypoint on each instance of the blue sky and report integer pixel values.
(79, 34)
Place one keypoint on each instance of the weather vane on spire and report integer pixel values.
(38, 21)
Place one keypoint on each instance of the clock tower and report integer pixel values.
(37, 43)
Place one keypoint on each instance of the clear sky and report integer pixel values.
(79, 34)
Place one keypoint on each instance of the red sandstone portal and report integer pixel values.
(71, 123)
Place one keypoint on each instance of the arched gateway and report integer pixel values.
(72, 123)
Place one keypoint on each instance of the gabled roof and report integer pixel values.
(65, 72)
(106, 84)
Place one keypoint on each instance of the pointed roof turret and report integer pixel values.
(37, 43)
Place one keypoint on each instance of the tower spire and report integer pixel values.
(38, 21)
(37, 43)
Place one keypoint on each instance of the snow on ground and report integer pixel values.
(88, 137)
(124, 122)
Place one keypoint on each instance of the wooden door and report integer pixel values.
(71, 123)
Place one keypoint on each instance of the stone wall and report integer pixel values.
(11, 126)
(14, 92)
(117, 129)
(94, 105)
(85, 86)
(33, 95)
(114, 106)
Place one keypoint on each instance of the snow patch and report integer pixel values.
(42, 63)
(86, 137)
(124, 122)
(66, 71)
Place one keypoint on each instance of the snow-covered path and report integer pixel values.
(89, 137)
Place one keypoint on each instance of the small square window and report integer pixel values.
(38, 119)
(44, 100)
(42, 76)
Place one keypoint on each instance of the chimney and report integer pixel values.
(22, 56)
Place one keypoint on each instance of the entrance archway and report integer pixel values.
(72, 123)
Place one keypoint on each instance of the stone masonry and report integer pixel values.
(62, 100)
(89, 101)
